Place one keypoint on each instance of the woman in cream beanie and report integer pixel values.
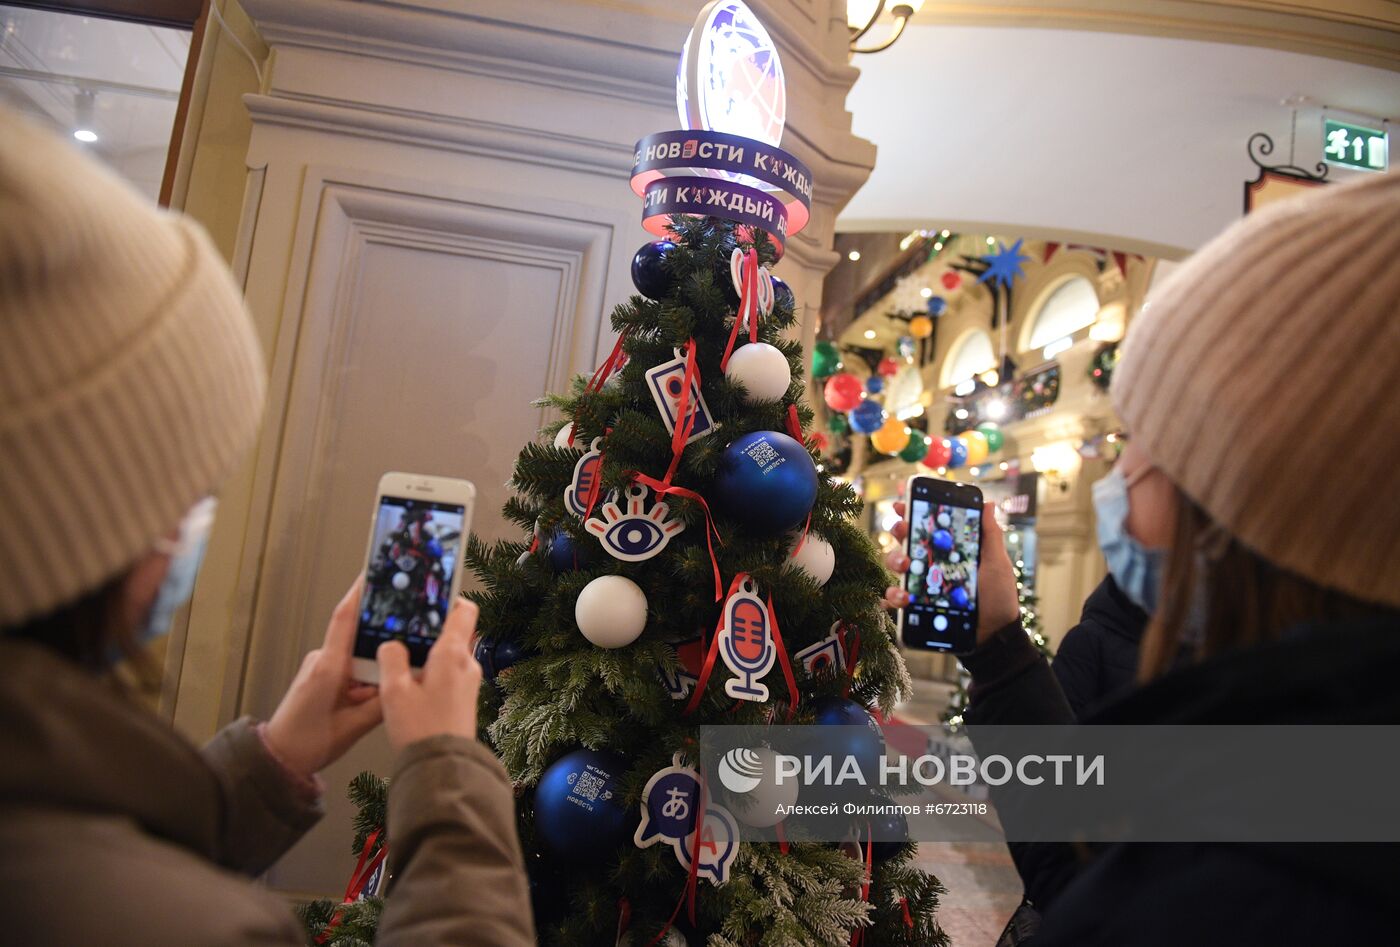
(1255, 516)
(131, 384)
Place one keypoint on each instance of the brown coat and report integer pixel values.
(115, 831)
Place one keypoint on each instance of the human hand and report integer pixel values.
(325, 711)
(444, 699)
(998, 605)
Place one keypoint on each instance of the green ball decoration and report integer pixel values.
(916, 450)
(826, 360)
(837, 423)
(993, 435)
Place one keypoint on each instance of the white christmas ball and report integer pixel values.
(759, 807)
(562, 438)
(434, 619)
(816, 558)
(916, 567)
(611, 611)
(400, 580)
(955, 556)
(945, 520)
(761, 369)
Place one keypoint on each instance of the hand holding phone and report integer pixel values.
(413, 568)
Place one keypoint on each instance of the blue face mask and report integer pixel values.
(186, 553)
(1136, 568)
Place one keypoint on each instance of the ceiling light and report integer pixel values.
(83, 102)
(946, 234)
(85, 134)
(996, 409)
(870, 333)
(960, 414)
(991, 241)
(853, 255)
(926, 292)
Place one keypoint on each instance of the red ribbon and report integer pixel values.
(711, 534)
(685, 418)
(711, 653)
(624, 916)
(908, 918)
(782, 838)
(614, 362)
(783, 661)
(364, 870)
(595, 488)
(748, 306)
(852, 652)
(794, 426)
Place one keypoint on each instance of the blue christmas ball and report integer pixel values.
(766, 481)
(497, 655)
(859, 737)
(867, 417)
(649, 271)
(942, 540)
(579, 813)
(391, 622)
(782, 295)
(958, 596)
(874, 384)
(435, 549)
(565, 555)
(937, 305)
(889, 832)
(957, 452)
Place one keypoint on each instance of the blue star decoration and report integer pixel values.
(1004, 266)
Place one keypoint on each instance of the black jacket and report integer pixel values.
(1097, 659)
(1149, 895)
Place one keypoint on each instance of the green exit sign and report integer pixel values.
(1355, 146)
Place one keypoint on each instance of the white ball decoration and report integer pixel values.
(944, 520)
(611, 611)
(955, 556)
(761, 369)
(759, 807)
(561, 439)
(816, 558)
(400, 580)
(917, 567)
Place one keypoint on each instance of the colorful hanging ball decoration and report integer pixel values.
(874, 385)
(843, 392)
(976, 444)
(958, 596)
(921, 327)
(783, 299)
(826, 359)
(496, 655)
(814, 556)
(762, 369)
(837, 424)
(611, 611)
(938, 454)
(892, 437)
(580, 825)
(951, 280)
(995, 439)
(917, 448)
(906, 346)
(767, 481)
(957, 452)
(942, 540)
(888, 366)
(867, 417)
(649, 269)
(937, 305)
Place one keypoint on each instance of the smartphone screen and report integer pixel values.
(945, 542)
(408, 585)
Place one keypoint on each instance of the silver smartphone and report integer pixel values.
(413, 567)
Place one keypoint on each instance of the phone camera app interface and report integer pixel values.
(409, 580)
(942, 580)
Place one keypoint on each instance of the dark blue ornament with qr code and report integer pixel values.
(767, 482)
(579, 814)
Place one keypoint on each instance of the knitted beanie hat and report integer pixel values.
(1263, 378)
(130, 377)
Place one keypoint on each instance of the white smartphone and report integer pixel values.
(413, 569)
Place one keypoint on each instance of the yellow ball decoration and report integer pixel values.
(921, 327)
(892, 437)
(976, 444)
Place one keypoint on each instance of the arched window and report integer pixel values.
(1070, 306)
(971, 355)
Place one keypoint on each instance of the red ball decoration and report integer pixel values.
(951, 279)
(888, 366)
(938, 454)
(843, 391)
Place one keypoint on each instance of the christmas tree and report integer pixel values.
(406, 576)
(594, 625)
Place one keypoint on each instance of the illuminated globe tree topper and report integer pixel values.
(730, 77)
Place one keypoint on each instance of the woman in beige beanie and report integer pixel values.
(131, 383)
(1255, 515)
